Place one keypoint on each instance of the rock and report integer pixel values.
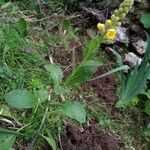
(136, 28)
(132, 60)
(126, 22)
(139, 45)
(122, 35)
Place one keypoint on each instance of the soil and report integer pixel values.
(105, 88)
(90, 139)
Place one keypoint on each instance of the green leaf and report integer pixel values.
(118, 56)
(55, 73)
(7, 140)
(22, 27)
(124, 67)
(84, 72)
(73, 109)
(145, 19)
(20, 99)
(91, 49)
(42, 95)
(50, 141)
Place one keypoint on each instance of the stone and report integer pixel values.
(125, 22)
(132, 59)
(122, 35)
(139, 45)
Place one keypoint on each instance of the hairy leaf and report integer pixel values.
(73, 109)
(55, 73)
(20, 99)
(91, 48)
(84, 72)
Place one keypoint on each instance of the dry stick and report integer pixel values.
(59, 138)
(43, 120)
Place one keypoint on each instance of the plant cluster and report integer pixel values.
(50, 102)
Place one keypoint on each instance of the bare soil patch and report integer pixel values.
(90, 139)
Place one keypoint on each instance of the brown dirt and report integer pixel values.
(90, 139)
(105, 88)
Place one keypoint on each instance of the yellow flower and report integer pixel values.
(111, 34)
(101, 27)
(108, 22)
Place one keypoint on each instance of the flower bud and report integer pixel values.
(116, 12)
(108, 22)
(118, 23)
(113, 17)
(101, 27)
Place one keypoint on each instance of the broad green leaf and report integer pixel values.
(55, 73)
(84, 72)
(91, 48)
(74, 110)
(22, 27)
(145, 19)
(50, 141)
(7, 140)
(20, 99)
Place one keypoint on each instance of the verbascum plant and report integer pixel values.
(108, 31)
(109, 28)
